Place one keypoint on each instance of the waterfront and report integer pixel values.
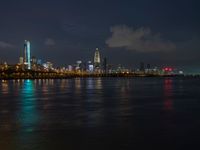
(100, 113)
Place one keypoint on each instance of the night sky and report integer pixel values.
(159, 32)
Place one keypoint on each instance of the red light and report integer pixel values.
(168, 69)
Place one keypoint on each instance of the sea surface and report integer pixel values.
(100, 114)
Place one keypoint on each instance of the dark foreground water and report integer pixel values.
(100, 114)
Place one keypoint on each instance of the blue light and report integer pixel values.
(28, 115)
(29, 54)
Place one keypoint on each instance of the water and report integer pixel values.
(100, 114)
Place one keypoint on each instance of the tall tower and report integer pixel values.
(27, 54)
(97, 60)
(105, 65)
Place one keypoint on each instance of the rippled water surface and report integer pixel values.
(100, 114)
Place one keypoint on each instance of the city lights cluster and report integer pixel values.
(97, 66)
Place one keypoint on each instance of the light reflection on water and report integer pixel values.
(93, 103)
(168, 102)
(44, 114)
(4, 88)
(28, 115)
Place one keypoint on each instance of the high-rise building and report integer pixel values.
(27, 54)
(70, 68)
(90, 67)
(39, 62)
(105, 65)
(48, 65)
(78, 65)
(33, 60)
(21, 60)
(148, 68)
(97, 60)
(142, 68)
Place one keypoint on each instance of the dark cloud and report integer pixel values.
(4, 45)
(49, 42)
(140, 39)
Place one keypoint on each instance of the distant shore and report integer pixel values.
(54, 75)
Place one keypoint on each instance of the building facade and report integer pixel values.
(27, 54)
(97, 59)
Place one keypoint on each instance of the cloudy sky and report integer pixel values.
(159, 32)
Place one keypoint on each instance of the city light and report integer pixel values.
(31, 67)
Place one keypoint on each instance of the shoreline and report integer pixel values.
(94, 76)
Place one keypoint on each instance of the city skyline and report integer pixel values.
(99, 74)
(126, 32)
(29, 66)
(28, 61)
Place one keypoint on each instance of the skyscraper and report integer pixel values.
(142, 67)
(27, 54)
(97, 60)
(105, 65)
(21, 60)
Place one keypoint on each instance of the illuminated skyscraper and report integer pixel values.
(21, 60)
(27, 54)
(97, 60)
